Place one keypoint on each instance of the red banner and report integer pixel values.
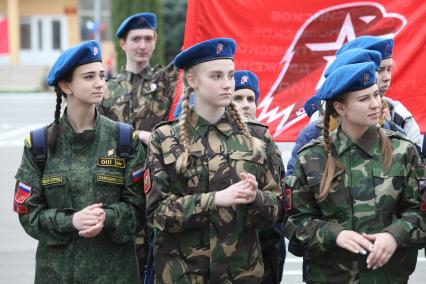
(288, 44)
(4, 38)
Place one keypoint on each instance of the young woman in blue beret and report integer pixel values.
(355, 191)
(78, 192)
(211, 185)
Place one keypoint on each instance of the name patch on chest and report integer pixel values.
(104, 178)
(52, 180)
(111, 163)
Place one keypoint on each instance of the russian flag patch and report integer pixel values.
(288, 199)
(23, 191)
(146, 181)
(137, 174)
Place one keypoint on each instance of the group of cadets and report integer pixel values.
(115, 193)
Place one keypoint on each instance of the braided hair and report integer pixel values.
(181, 163)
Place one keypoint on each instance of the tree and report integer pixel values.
(121, 9)
(174, 23)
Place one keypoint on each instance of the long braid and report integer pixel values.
(331, 163)
(257, 144)
(386, 149)
(53, 133)
(182, 161)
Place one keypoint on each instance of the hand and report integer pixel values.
(386, 114)
(87, 217)
(384, 247)
(238, 193)
(144, 136)
(353, 242)
(95, 230)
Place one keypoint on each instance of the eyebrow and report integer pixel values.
(92, 72)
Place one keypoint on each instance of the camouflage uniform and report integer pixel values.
(143, 99)
(363, 198)
(272, 240)
(196, 241)
(72, 179)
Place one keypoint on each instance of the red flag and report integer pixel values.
(4, 38)
(288, 44)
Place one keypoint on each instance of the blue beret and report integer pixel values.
(355, 55)
(247, 80)
(347, 78)
(382, 45)
(312, 105)
(84, 53)
(212, 49)
(137, 21)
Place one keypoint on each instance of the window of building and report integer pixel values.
(25, 34)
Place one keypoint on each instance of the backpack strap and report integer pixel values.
(39, 144)
(124, 147)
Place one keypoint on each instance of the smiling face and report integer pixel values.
(139, 44)
(213, 82)
(245, 100)
(360, 109)
(87, 84)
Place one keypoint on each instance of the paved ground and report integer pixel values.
(23, 112)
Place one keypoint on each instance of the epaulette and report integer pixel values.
(166, 122)
(311, 143)
(258, 129)
(397, 135)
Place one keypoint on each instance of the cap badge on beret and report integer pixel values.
(219, 48)
(387, 48)
(95, 51)
(244, 79)
(366, 78)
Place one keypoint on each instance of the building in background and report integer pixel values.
(34, 32)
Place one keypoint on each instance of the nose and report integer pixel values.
(376, 102)
(386, 75)
(99, 82)
(228, 83)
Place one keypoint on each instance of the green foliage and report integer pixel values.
(171, 16)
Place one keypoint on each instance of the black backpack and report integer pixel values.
(39, 145)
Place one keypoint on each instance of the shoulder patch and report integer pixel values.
(311, 143)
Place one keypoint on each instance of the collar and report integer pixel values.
(145, 73)
(366, 142)
(68, 132)
(225, 125)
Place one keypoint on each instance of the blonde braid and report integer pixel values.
(182, 161)
(257, 144)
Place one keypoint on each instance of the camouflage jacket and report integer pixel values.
(143, 99)
(84, 170)
(363, 198)
(196, 241)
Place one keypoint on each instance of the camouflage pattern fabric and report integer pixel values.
(196, 241)
(364, 198)
(272, 241)
(142, 100)
(78, 174)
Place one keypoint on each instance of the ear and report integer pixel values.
(192, 81)
(65, 87)
(122, 43)
(340, 108)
